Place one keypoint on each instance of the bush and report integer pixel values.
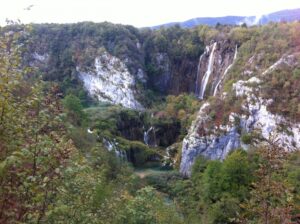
(148, 207)
(296, 74)
(137, 152)
(74, 109)
(246, 139)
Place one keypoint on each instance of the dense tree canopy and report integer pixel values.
(64, 161)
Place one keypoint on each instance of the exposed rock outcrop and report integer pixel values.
(163, 65)
(288, 60)
(172, 76)
(213, 66)
(217, 142)
(172, 157)
(286, 134)
(201, 141)
(110, 82)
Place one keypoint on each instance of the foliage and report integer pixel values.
(271, 198)
(246, 138)
(93, 190)
(34, 147)
(171, 56)
(292, 169)
(146, 207)
(235, 175)
(74, 109)
(256, 53)
(53, 174)
(183, 108)
(214, 192)
(177, 42)
(44, 178)
(223, 192)
(138, 153)
(283, 86)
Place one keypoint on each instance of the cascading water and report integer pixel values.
(225, 72)
(208, 72)
(235, 53)
(146, 135)
(121, 154)
(198, 73)
(112, 146)
(146, 138)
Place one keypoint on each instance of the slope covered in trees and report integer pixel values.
(66, 158)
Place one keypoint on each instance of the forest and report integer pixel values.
(67, 158)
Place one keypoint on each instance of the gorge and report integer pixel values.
(122, 80)
(173, 125)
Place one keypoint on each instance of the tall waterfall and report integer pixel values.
(198, 74)
(208, 72)
(226, 71)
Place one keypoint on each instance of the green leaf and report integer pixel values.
(3, 167)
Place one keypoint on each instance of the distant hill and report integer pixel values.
(284, 15)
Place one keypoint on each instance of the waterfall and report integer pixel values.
(146, 135)
(198, 74)
(112, 146)
(121, 154)
(225, 72)
(208, 72)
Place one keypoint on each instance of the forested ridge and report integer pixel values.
(67, 158)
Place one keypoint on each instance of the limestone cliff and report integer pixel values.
(110, 82)
(211, 143)
(217, 141)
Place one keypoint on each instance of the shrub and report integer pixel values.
(296, 74)
(74, 109)
(246, 138)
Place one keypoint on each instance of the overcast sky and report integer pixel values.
(139, 13)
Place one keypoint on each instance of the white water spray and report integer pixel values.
(226, 71)
(112, 146)
(146, 135)
(208, 72)
(198, 74)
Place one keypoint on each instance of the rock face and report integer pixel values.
(110, 82)
(203, 77)
(217, 142)
(173, 76)
(171, 157)
(163, 64)
(260, 118)
(212, 146)
(213, 66)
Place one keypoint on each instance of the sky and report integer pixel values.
(139, 13)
